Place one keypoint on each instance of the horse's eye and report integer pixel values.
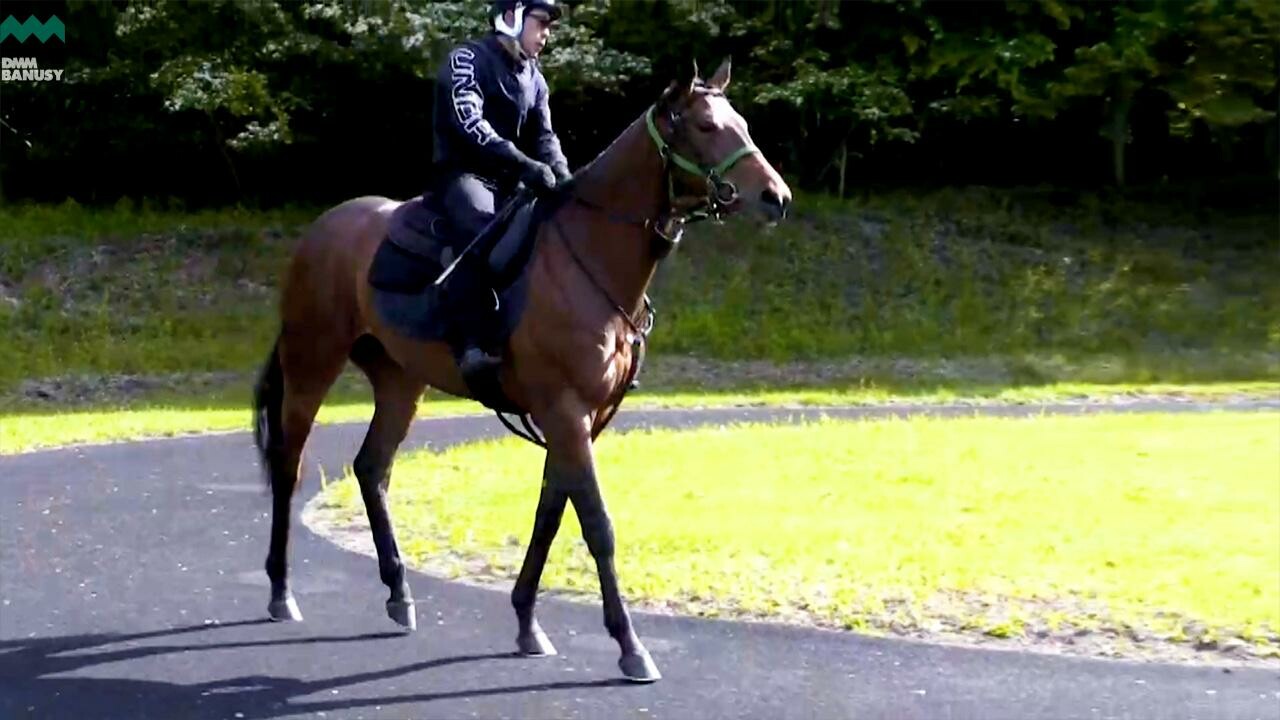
(707, 127)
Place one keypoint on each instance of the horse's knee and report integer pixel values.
(598, 532)
(597, 528)
(547, 521)
(369, 468)
(544, 532)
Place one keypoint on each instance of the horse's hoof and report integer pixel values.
(535, 644)
(285, 610)
(639, 668)
(402, 612)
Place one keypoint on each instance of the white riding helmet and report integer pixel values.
(520, 7)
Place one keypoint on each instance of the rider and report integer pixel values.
(492, 130)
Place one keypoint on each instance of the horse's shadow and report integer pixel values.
(30, 687)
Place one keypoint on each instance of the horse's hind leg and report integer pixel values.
(305, 372)
(395, 402)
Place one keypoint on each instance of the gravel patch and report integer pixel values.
(74, 390)
(667, 373)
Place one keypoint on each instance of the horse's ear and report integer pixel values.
(679, 88)
(720, 79)
(673, 93)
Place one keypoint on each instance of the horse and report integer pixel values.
(568, 361)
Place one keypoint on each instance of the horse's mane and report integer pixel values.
(603, 156)
(564, 192)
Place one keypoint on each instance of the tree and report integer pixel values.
(158, 96)
(1211, 61)
(850, 94)
(993, 64)
(1225, 67)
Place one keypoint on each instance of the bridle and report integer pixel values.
(721, 193)
(668, 226)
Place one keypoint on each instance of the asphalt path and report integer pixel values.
(131, 586)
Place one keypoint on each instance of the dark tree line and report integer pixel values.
(270, 101)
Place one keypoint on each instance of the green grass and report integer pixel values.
(136, 289)
(972, 274)
(226, 409)
(935, 279)
(24, 432)
(33, 235)
(1157, 526)
(962, 394)
(133, 290)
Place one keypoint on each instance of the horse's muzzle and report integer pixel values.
(775, 204)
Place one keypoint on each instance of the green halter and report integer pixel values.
(720, 192)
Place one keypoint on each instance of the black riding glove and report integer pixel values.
(538, 177)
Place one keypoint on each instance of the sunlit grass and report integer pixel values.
(1144, 525)
(223, 411)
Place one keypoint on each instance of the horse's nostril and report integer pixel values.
(771, 198)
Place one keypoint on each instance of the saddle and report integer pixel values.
(421, 242)
(420, 234)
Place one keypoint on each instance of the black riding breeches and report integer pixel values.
(471, 202)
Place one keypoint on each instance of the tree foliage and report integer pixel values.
(310, 99)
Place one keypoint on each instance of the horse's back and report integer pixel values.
(357, 218)
(325, 278)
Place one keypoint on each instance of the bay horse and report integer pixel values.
(568, 361)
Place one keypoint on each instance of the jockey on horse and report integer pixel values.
(492, 130)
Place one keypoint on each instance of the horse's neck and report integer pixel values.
(627, 180)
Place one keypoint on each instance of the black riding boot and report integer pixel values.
(476, 360)
(476, 305)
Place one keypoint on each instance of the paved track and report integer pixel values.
(131, 586)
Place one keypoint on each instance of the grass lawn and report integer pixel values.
(957, 295)
(136, 290)
(1151, 529)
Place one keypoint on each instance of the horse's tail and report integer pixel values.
(268, 403)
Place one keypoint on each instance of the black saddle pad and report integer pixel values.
(404, 295)
(415, 253)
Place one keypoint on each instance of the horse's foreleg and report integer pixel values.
(571, 471)
(597, 530)
(531, 640)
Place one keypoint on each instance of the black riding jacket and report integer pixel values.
(491, 112)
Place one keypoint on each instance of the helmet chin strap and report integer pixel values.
(511, 31)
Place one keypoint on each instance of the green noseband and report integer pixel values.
(720, 192)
